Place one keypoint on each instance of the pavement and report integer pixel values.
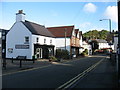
(15, 66)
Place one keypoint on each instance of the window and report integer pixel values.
(26, 39)
(50, 41)
(44, 41)
(3, 37)
(37, 39)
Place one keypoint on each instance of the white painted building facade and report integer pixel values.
(115, 44)
(87, 46)
(60, 43)
(67, 37)
(28, 39)
(104, 44)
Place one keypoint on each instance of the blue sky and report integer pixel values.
(84, 15)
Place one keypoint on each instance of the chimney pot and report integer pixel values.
(20, 11)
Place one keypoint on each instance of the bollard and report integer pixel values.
(4, 63)
(20, 63)
(12, 59)
(33, 60)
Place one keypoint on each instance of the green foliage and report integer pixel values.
(34, 57)
(61, 53)
(52, 58)
(95, 34)
(85, 52)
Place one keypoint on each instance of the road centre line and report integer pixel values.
(75, 79)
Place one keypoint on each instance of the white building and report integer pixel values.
(104, 44)
(115, 43)
(67, 37)
(29, 39)
(87, 46)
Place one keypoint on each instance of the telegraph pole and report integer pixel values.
(65, 38)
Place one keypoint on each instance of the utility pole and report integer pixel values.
(65, 38)
(118, 43)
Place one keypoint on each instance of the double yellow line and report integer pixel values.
(75, 79)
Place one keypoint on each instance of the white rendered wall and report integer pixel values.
(115, 43)
(105, 45)
(16, 36)
(20, 17)
(60, 43)
(41, 41)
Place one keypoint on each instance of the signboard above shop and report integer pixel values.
(21, 46)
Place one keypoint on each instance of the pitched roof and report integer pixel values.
(37, 29)
(101, 41)
(60, 31)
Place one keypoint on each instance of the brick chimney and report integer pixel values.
(20, 16)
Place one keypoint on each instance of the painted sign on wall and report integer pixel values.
(22, 46)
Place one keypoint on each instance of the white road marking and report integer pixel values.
(76, 78)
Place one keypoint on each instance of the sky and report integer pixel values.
(84, 15)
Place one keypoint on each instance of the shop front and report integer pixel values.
(43, 51)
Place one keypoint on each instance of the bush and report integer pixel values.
(34, 57)
(61, 53)
(85, 52)
(52, 58)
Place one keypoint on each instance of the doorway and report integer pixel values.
(39, 52)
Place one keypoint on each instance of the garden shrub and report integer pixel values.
(52, 58)
(61, 53)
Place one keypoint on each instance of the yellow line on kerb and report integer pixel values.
(33, 68)
(76, 78)
(25, 70)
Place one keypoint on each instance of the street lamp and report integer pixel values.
(109, 23)
(109, 26)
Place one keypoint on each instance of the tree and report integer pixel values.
(95, 34)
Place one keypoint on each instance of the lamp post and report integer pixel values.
(109, 23)
(109, 20)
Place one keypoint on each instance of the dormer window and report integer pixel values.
(26, 39)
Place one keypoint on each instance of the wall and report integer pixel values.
(60, 43)
(41, 41)
(115, 43)
(16, 36)
(105, 45)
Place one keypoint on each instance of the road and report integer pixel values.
(54, 76)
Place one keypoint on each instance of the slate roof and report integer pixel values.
(59, 32)
(37, 29)
(101, 41)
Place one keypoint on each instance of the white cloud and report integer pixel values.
(111, 12)
(90, 8)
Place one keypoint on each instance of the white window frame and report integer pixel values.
(27, 39)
